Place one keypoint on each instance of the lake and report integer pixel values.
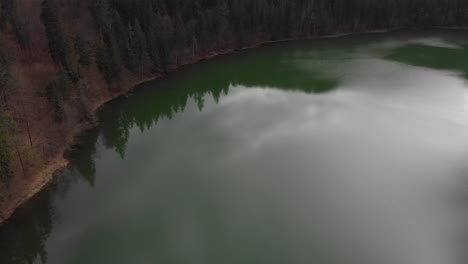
(351, 150)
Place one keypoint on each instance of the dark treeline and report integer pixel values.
(154, 35)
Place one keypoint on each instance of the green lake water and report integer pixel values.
(351, 150)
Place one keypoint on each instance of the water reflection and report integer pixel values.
(23, 241)
(269, 70)
(435, 57)
(247, 160)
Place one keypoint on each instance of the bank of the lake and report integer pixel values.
(44, 175)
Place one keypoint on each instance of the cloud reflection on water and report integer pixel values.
(256, 168)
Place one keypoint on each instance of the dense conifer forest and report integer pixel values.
(60, 59)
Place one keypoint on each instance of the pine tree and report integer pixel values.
(4, 70)
(222, 17)
(83, 50)
(64, 81)
(180, 37)
(73, 61)
(103, 15)
(153, 43)
(53, 24)
(55, 100)
(5, 159)
(137, 57)
(108, 61)
(7, 14)
(166, 36)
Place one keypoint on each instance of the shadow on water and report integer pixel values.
(437, 58)
(27, 233)
(23, 238)
(82, 157)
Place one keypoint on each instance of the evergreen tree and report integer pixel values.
(153, 43)
(53, 24)
(5, 159)
(4, 71)
(166, 36)
(108, 61)
(55, 100)
(61, 48)
(7, 14)
(83, 50)
(222, 17)
(102, 13)
(64, 81)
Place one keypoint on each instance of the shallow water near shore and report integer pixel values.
(348, 150)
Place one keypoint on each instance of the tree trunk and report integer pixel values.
(27, 124)
(20, 158)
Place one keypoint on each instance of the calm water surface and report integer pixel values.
(342, 151)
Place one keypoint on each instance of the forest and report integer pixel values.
(61, 59)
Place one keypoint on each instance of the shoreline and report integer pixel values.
(47, 173)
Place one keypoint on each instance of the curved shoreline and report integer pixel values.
(45, 174)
